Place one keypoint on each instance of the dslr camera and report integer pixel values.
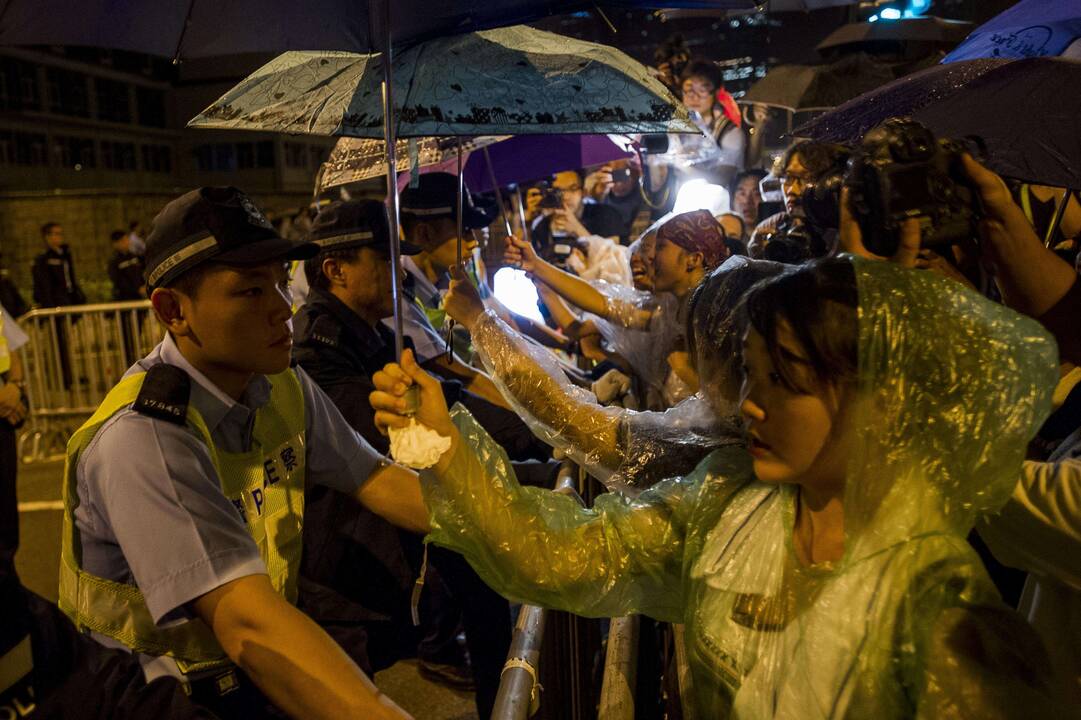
(551, 198)
(901, 171)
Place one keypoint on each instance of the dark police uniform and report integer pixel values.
(357, 571)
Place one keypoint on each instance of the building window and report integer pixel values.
(158, 158)
(226, 157)
(264, 154)
(74, 153)
(67, 92)
(245, 155)
(18, 85)
(117, 155)
(19, 148)
(151, 107)
(296, 155)
(114, 103)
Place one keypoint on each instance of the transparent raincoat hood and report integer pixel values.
(905, 624)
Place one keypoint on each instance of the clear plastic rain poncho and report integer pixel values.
(642, 328)
(627, 450)
(905, 624)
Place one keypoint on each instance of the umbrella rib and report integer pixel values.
(183, 32)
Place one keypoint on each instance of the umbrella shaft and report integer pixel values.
(389, 136)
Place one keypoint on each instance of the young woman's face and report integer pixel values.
(669, 265)
(698, 95)
(794, 436)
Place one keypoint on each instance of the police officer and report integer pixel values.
(48, 669)
(430, 223)
(341, 343)
(125, 269)
(183, 493)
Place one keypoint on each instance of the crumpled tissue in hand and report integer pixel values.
(417, 446)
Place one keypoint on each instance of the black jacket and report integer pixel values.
(357, 571)
(126, 272)
(54, 279)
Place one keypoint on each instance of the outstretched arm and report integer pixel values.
(536, 546)
(287, 655)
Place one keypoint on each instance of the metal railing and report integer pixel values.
(75, 355)
(520, 689)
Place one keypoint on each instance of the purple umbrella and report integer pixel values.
(530, 157)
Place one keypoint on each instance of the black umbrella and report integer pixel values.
(932, 30)
(208, 28)
(801, 88)
(1026, 112)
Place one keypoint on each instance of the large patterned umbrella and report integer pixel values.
(510, 81)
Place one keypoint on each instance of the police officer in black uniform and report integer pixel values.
(357, 570)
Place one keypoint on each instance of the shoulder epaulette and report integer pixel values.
(325, 330)
(165, 394)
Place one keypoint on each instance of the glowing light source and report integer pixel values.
(698, 194)
(891, 14)
(517, 292)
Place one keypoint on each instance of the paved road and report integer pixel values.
(38, 561)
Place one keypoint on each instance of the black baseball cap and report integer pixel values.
(354, 224)
(214, 223)
(437, 196)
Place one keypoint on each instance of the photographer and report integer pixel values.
(567, 219)
(793, 238)
(616, 186)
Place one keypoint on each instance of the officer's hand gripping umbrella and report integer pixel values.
(511, 81)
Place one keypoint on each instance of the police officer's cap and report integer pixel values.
(349, 224)
(436, 195)
(214, 223)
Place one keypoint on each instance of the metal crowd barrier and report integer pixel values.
(73, 358)
(571, 694)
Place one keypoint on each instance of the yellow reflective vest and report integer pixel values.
(265, 484)
(5, 353)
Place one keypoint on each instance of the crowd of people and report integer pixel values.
(816, 454)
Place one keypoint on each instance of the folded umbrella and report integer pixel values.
(1031, 28)
(1026, 112)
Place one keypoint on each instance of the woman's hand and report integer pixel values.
(388, 398)
(462, 301)
(519, 253)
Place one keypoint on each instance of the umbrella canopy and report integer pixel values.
(513, 159)
(801, 88)
(1026, 112)
(356, 159)
(209, 28)
(921, 29)
(509, 81)
(1031, 28)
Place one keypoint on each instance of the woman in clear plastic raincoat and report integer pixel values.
(823, 571)
(625, 449)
